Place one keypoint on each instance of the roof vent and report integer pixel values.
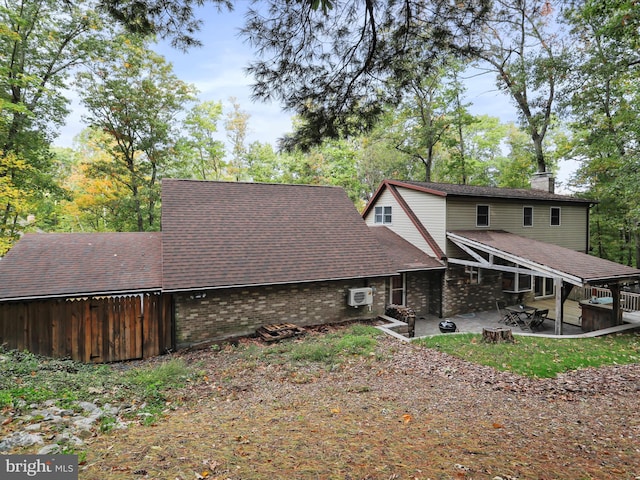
(543, 181)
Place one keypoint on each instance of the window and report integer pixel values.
(544, 287)
(473, 274)
(397, 290)
(482, 215)
(527, 217)
(555, 216)
(383, 215)
(516, 282)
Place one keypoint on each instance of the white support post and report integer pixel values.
(557, 281)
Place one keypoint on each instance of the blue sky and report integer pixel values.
(217, 69)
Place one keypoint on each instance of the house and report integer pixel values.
(497, 243)
(240, 255)
(231, 257)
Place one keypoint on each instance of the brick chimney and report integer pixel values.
(543, 181)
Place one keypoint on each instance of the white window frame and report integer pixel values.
(516, 282)
(551, 209)
(383, 215)
(488, 215)
(524, 216)
(474, 273)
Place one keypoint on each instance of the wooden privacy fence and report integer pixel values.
(95, 329)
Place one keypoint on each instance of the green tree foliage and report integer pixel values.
(338, 67)
(175, 20)
(42, 42)
(521, 44)
(96, 196)
(426, 114)
(200, 154)
(604, 101)
(263, 163)
(379, 159)
(135, 98)
(236, 125)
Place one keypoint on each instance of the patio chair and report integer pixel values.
(538, 319)
(505, 316)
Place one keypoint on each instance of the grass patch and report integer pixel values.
(27, 379)
(540, 357)
(329, 348)
(358, 340)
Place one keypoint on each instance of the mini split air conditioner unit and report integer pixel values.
(360, 296)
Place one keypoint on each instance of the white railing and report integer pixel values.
(629, 302)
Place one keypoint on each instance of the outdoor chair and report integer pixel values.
(538, 319)
(505, 316)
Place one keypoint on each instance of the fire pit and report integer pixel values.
(447, 326)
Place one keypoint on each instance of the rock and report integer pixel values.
(68, 437)
(88, 406)
(84, 423)
(34, 427)
(19, 439)
(49, 449)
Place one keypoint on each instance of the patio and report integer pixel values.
(474, 322)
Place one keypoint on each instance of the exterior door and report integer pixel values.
(397, 290)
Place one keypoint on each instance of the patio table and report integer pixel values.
(524, 312)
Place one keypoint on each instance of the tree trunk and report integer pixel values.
(497, 335)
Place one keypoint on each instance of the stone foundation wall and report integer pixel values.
(460, 295)
(227, 313)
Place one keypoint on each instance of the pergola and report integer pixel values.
(491, 249)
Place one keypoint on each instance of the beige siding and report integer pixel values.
(430, 210)
(401, 223)
(508, 216)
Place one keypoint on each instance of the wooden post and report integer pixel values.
(497, 335)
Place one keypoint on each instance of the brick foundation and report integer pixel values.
(235, 312)
(460, 295)
(423, 292)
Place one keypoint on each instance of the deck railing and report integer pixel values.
(629, 302)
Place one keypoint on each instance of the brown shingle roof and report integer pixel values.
(588, 268)
(218, 234)
(449, 189)
(44, 265)
(403, 255)
(472, 191)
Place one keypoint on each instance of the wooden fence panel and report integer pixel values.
(97, 330)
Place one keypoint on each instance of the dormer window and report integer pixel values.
(482, 215)
(383, 215)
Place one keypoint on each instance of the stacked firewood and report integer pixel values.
(404, 314)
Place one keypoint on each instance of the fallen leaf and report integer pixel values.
(407, 418)
(498, 425)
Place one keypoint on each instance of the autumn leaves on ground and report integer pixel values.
(365, 407)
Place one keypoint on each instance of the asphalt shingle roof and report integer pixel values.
(581, 265)
(44, 265)
(219, 234)
(449, 189)
(403, 255)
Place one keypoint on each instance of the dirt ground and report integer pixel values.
(403, 413)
